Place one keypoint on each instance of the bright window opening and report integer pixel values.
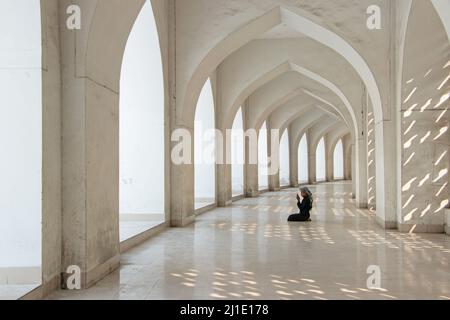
(142, 204)
(320, 161)
(339, 161)
(205, 169)
(21, 146)
(237, 155)
(284, 160)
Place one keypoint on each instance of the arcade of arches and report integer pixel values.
(290, 93)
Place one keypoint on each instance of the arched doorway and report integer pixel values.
(321, 162)
(205, 171)
(338, 162)
(142, 180)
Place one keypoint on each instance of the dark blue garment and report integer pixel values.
(304, 215)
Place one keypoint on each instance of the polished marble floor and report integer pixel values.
(249, 251)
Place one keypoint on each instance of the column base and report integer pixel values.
(91, 277)
(99, 272)
(237, 198)
(253, 194)
(204, 210)
(223, 204)
(387, 225)
(175, 223)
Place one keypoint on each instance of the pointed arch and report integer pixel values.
(204, 145)
(321, 161)
(142, 130)
(443, 9)
(295, 19)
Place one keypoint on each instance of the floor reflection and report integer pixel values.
(248, 251)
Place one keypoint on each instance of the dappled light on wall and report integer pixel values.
(425, 151)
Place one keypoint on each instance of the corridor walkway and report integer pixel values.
(248, 251)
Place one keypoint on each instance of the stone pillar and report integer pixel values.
(251, 177)
(311, 160)
(183, 185)
(90, 157)
(361, 173)
(371, 151)
(347, 158)
(293, 159)
(51, 143)
(273, 153)
(361, 157)
(386, 179)
(329, 159)
(423, 122)
(223, 170)
(251, 156)
(224, 191)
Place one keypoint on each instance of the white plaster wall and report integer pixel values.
(348, 157)
(425, 122)
(20, 134)
(371, 165)
(142, 120)
(51, 143)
